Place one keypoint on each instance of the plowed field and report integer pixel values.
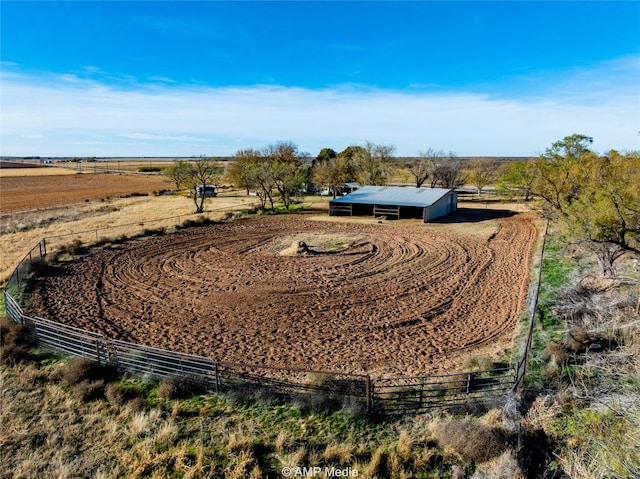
(377, 298)
(34, 192)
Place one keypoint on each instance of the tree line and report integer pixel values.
(595, 199)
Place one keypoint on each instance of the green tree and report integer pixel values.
(594, 199)
(178, 173)
(287, 172)
(276, 167)
(605, 215)
(516, 179)
(241, 168)
(325, 154)
(332, 172)
(561, 171)
(372, 164)
(481, 172)
(261, 178)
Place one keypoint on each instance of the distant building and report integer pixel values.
(209, 190)
(395, 202)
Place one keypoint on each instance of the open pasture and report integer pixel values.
(382, 299)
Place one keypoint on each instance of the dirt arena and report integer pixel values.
(392, 298)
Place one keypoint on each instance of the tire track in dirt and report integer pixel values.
(391, 300)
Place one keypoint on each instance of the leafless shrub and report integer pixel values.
(178, 388)
(15, 342)
(116, 394)
(82, 369)
(557, 352)
(137, 405)
(475, 443)
(71, 248)
(89, 390)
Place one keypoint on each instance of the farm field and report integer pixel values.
(24, 193)
(385, 299)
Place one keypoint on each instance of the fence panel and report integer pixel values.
(416, 394)
(160, 363)
(63, 338)
(314, 387)
(13, 309)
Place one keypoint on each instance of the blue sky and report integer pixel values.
(160, 78)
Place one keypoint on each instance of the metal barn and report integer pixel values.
(396, 202)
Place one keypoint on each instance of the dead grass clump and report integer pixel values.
(116, 394)
(338, 454)
(82, 369)
(543, 411)
(137, 405)
(577, 339)
(179, 388)
(378, 466)
(474, 443)
(502, 467)
(71, 249)
(557, 352)
(478, 362)
(15, 342)
(283, 442)
(404, 446)
(244, 466)
(238, 443)
(89, 390)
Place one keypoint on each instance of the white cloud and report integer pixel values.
(173, 120)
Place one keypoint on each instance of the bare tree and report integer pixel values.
(425, 165)
(448, 172)
(202, 172)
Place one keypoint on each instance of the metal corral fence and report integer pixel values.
(532, 308)
(390, 396)
(416, 394)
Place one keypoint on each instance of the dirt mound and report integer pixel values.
(296, 248)
(405, 299)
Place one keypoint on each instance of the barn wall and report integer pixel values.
(445, 205)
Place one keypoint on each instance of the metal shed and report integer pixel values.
(396, 202)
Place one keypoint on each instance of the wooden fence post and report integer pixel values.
(215, 370)
(369, 395)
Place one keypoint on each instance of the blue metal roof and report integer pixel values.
(394, 195)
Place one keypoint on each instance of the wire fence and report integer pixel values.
(385, 396)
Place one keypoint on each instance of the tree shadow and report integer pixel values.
(473, 215)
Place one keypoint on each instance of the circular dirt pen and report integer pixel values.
(382, 299)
